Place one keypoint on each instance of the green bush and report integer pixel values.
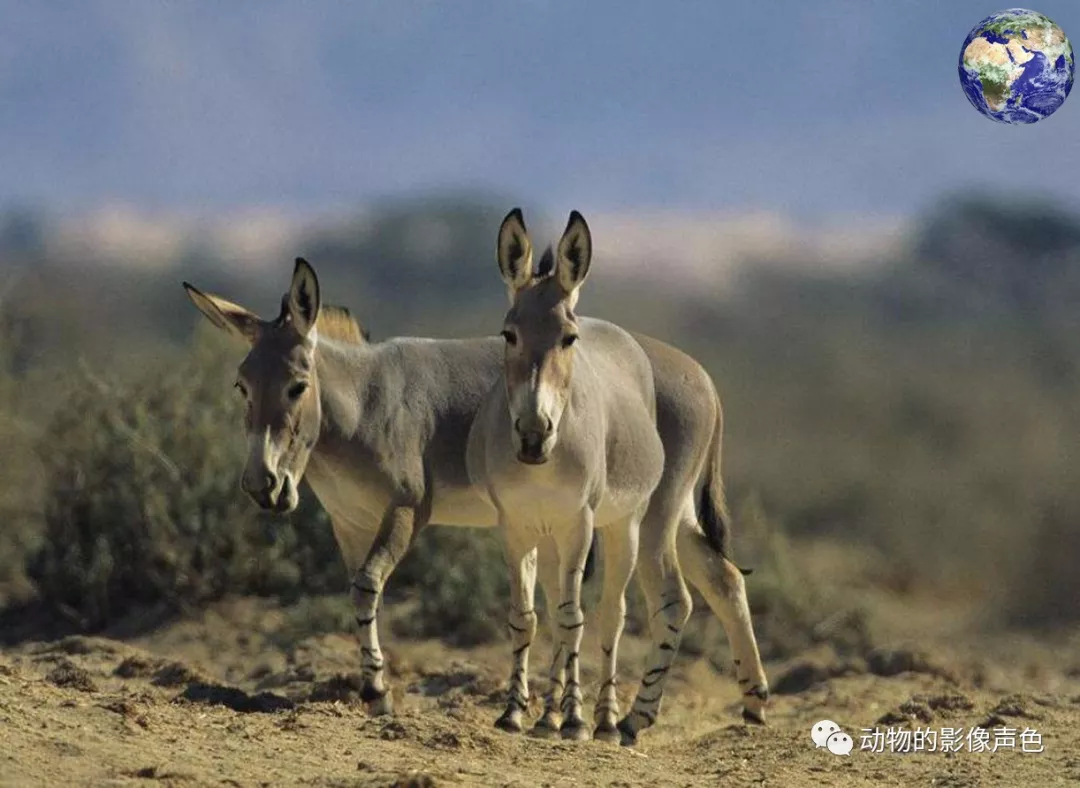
(19, 486)
(457, 578)
(143, 510)
(1043, 586)
(142, 506)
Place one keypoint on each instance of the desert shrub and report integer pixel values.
(457, 579)
(141, 501)
(1043, 587)
(792, 608)
(791, 605)
(924, 411)
(313, 616)
(19, 490)
(143, 509)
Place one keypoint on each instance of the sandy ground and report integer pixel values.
(226, 699)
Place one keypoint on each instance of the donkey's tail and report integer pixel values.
(712, 508)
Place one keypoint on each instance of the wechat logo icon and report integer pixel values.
(829, 735)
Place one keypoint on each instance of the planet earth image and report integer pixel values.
(1017, 66)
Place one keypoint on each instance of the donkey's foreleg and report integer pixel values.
(619, 543)
(521, 561)
(669, 605)
(396, 533)
(549, 572)
(574, 545)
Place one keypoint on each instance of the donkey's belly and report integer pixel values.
(463, 506)
(544, 499)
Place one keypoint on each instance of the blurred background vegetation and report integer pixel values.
(922, 409)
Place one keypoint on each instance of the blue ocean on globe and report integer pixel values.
(1017, 66)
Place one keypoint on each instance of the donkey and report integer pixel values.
(566, 442)
(379, 431)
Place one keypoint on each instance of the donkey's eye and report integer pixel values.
(569, 339)
(240, 387)
(510, 337)
(296, 390)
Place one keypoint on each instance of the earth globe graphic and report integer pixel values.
(1017, 66)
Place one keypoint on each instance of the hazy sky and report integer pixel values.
(808, 107)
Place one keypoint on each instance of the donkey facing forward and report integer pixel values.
(566, 442)
(379, 431)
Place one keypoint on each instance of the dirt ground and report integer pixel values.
(226, 698)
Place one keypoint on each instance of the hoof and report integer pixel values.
(754, 705)
(378, 705)
(510, 721)
(574, 730)
(753, 718)
(606, 731)
(547, 727)
(627, 734)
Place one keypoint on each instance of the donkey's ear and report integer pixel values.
(303, 302)
(574, 254)
(514, 252)
(225, 314)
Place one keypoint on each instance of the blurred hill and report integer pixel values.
(920, 400)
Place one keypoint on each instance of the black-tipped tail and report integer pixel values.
(712, 509)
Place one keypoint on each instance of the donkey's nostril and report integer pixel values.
(269, 481)
(548, 426)
(517, 425)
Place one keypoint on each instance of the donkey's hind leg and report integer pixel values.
(668, 603)
(721, 584)
(619, 543)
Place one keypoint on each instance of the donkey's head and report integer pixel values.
(277, 380)
(540, 330)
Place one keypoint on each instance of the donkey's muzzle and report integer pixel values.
(262, 487)
(534, 445)
(532, 452)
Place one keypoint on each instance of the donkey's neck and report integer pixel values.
(345, 371)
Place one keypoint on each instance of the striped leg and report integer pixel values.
(669, 606)
(722, 585)
(548, 568)
(573, 552)
(390, 545)
(619, 543)
(521, 561)
(355, 537)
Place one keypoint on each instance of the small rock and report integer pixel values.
(920, 711)
(174, 674)
(135, 667)
(950, 702)
(235, 698)
(67, 674)
(393, 731)
(1015, 706)
(992, 721)
(892, 718)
